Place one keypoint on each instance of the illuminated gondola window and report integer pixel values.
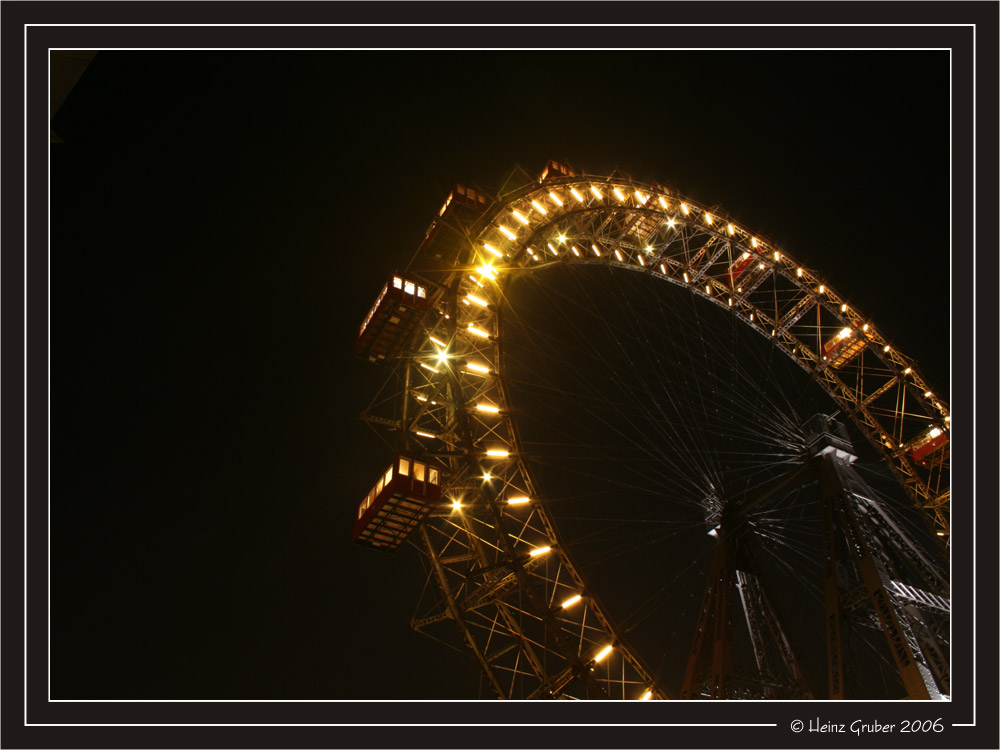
(404, 467)
(418, 471)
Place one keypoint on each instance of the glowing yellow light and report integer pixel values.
(561, 238)
(671, 223)
(421, 398)
(477, 331)
(641, 198)
(492, 249)
(487, 476)
(464, 302)
(425, 434)
(551, 249)
(753, 241)
(579, 198)
(520, 217)
(488, 408)
(518, 500)
(777, 256)
(908, 370)
(732, 229)
(885, 348)
(479, 301)
(686, 279)
(751, 317)
(604, 652)
(620, 195)
(845, 332)
(843, 308)
(456, 504)
(708, 218)
(595, 191)
(538, 207)
(745, 256)
(442, 356)
(647, 695)
(474, 280)
(507, 232)
(477, 368)
(947, 419)
(437, 341)
(428, 367)
(864, 327)
(497, 453)
(539, 551)
(618, 255)
(489, 271)
(575, 251)
(571, 601)
(798, 272)
(928, 394)
(761, 266)
(684, 208)
(664, 269)
(730, 301)
(555, 199)
(641, 261)
(596, 251)
(934, 432)
(940, 533)
(663, 202)
(821, 289)
(708, 289)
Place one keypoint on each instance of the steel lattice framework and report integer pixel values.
(498, 569)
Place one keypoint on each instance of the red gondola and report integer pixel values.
(393, 319)
(399, 502)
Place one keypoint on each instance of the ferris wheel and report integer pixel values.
(711, 478)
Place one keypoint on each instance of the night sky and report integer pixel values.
(221, 223)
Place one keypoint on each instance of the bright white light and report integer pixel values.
(604, 652)
(596, 251)
(555, 199)
(551, 249)
(843, 308)
(730, 301)
(425, 434)
(885, 348)
(647, 695)
(478, 331)
(575, 251)
(753, 241)
(618, 255)
(488, 408)
(641, 261)
(934, 432)
(479, 301)
(518, 500)
(708, 218)
(620, 195)
(947, 419)
(663, 268)
(761, 266)
(492, 249)
(487, 476)
(520, 217)
(671, 223)
(686, 279)
(539, 551)
(684, 208)
(571, 601)
(663, 202)
(845, 332)
(864, 327)
(538, 207)
(641, 198)
(489, 271)
(456, 504)
(595, 191)
(708, 289)
(745, 256)
(428, 367)
(421, 398)
(477, 368)
(798, 272)
(928, 394)
(777, 256)
(908, 370)
(579, 198)
(561, 238)
(732, 229)
(497, 453)
(507, 232)
(822, 289)
(437, 341)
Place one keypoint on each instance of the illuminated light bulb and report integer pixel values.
(684, 208)
(477, 368)
(641, 261)
(477, 332)
(940, 533)
(777, 256)
(934, 432)
(555, 199)
(928, 394)
(421, 398)
(663, 268)
(561, 238)
(571, 601)
(539, 551)
(947, 419)
(456, 504)
(487, 476)
(686, 279)
(538, 207)
(708, 289)
(489, 271)
(798, 272)
(474, 280)
(497, 453)
(437, 341)
(708, 218)
(464, 302)
(647, 695)
(753, 241)
(442, 356)
(604, 652)
(885, 348)
(428, 367)
(520, 217)
(908, 370)
(579, 198)
(751, 317)
(730, 301)
(575, 251)
(492, 249)
(745, 256)
(479, 301)
(619, 194)
(821, 289)
(510, 235)
(845, 332)
(596, 251)
(488, 408)
(732, 229)
(864, 327)
(595, 191)
(641, 198)
(618, 255)
(843, 308)
(773, 332)
(761, 266)
(424, 434)
(671, 223)
(551, 249)
(649, 249)
(518, 500)
(663, 202)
